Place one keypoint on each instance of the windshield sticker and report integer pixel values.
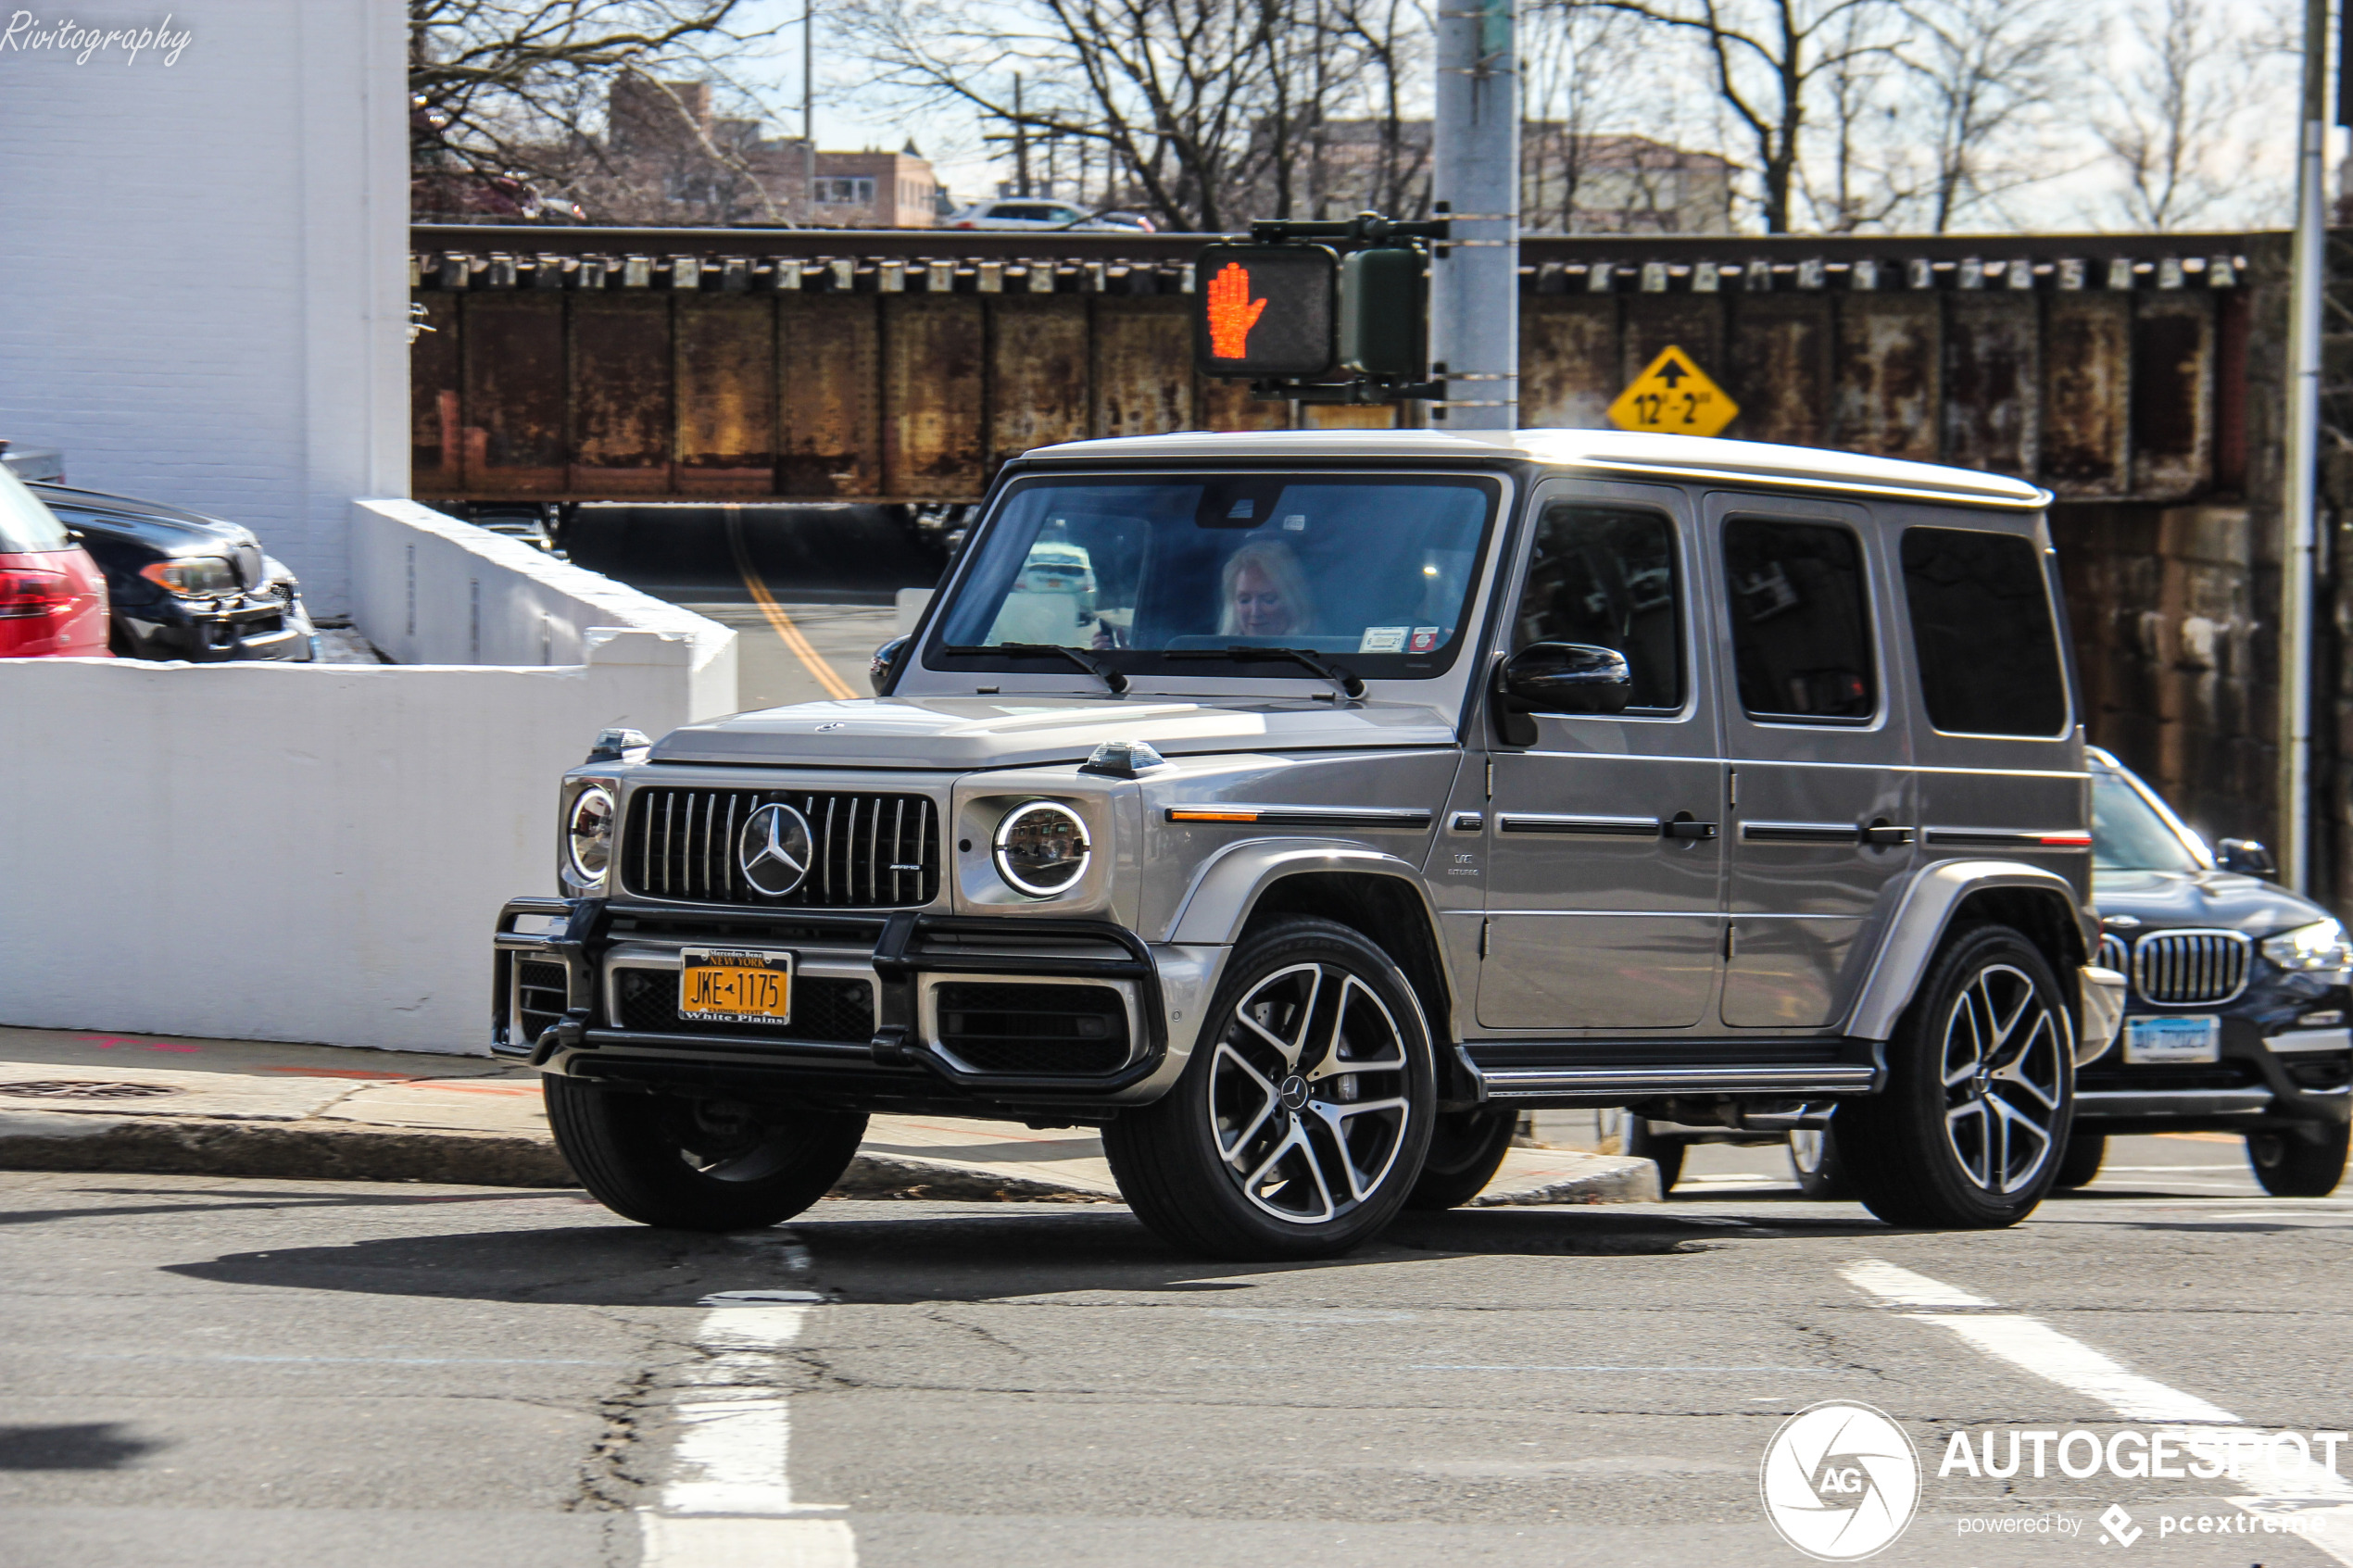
(1382, 639)
(1295, 523)
(1426, 638)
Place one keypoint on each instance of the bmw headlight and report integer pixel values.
(2318, 946)
(1041, 848)
(589, 834)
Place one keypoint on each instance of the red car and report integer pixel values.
(53, 598)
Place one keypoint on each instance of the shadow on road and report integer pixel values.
(870, 1253)
(97, 1445)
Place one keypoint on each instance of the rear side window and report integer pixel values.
(1606, 576)
(26, 526)
(1801, 634)
(1982, 627)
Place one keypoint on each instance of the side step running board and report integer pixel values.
(1546, 1083)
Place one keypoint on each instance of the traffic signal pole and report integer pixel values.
(2307, 280)
(1474, 300)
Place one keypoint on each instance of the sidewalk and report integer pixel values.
(81, 1101)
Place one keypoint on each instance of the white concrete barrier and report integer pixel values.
(297, 852)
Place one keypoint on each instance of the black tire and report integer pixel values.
(1637, 1141)
(1465, 1149)
(694, 1164)
(1241, 1159)
(1813, 1160)
(2304, 1162)
(1979, 1150)
(2080, 1167)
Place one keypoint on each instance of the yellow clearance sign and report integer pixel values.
(1673, 398)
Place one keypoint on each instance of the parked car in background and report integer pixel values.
(185, 586)
(2238, 1015)
(1029, 213)
(52, 597)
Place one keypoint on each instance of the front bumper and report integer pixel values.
(2261, 1079)
(255, 626)
(593, 996)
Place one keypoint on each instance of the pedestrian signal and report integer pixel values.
(1264, 310)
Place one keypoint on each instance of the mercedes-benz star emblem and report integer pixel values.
(774, 849)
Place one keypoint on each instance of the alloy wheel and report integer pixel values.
(1307, 1093)
(2004, 1066)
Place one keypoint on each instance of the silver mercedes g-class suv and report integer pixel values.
(1298, 807)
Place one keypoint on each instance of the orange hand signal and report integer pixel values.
(1231, 312)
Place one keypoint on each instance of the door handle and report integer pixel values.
(1683, 827)
(1886, 835)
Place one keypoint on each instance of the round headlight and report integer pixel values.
(589, 834)
(1041, 848)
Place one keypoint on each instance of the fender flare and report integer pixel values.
(1917, 929)
(1227, 886)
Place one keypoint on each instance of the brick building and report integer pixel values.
(669, 158)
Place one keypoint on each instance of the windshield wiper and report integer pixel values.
(1095, 667)
(1338, 676)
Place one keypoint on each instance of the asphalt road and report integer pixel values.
(809, 589)
(259, 1373)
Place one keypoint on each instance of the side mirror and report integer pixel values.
(1566, 678)
(2245, 857)
(885, 663)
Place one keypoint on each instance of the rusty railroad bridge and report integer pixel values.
(587, 364)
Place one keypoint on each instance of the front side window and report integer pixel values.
(1801, 634)
(2130, 834)
(1606, 576)
(1982, 628)
(1183, 575)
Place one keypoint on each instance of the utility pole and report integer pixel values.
(1021, 143)
(1474, 303)
(808, 113)
(2307, 279)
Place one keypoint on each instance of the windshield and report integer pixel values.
(2128, 834)
(26, 526)
(1161, 575)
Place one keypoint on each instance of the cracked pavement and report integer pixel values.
(228, 1371)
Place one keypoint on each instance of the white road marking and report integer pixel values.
(1905, 1289)
(730, 1505)
(2289, 1483)
(2045, 1351)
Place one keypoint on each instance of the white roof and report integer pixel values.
(1602, 451)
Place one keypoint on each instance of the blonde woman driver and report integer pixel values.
(1264, 595)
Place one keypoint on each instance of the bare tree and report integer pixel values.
(1580, 74)
(1984, 73)
(1769, 60)
(493, 83)
(2171, 108)
(1870, 177)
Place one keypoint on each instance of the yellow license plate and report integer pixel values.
(734, 986)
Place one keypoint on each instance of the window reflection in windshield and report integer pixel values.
(1370, 571)
(2129, 835)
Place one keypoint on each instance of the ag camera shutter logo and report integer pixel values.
(1840, 1481)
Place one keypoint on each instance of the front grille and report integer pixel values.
(868, 851)
(540, 997)
(2181, 968)
(1034, 1029)
(2114, 955)
(2137, 1079)
(823, 1008)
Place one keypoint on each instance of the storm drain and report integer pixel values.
(64, 1089)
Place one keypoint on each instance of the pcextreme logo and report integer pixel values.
(1840, 1481)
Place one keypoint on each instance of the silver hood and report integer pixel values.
(965, 733)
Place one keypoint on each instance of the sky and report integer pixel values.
(2253, 158)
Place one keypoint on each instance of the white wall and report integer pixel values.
(208, 253)
(317, 852)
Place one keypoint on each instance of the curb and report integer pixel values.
(329, 1151)
(1624, 1181)
(299, 1150)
